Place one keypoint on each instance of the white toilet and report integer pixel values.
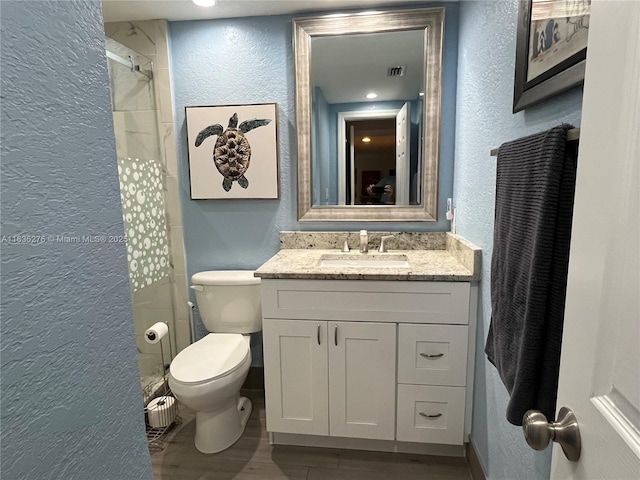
(207, 375)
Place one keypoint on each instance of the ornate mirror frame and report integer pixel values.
(431, 20)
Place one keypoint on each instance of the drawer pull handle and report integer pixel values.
(318, 334)
(335, 335)
(437, 415)
(437, 355)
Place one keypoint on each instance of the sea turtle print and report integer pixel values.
(232, 152)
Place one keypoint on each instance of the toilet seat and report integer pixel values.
(214, 356)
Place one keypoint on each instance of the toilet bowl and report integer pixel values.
(207, 375)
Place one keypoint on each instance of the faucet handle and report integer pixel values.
(364, 241)
(383, 246)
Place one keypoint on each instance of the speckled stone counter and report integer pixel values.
(436, 256)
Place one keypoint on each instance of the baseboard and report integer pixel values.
(255, 379)
(475, 465)
(366, 444)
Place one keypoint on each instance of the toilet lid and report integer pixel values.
(225, 277)
(211, 357)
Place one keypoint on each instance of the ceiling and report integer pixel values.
(363, 64)
(175, 10)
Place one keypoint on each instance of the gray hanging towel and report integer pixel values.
(535, 187)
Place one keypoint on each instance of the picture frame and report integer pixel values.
(551, 49)
(233, 152)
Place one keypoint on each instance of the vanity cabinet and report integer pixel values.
(330, 378)
(378, 360)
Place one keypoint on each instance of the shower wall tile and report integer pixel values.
(153, 316)
(136, 134)
(120, 130)
(134, 92)
(183, 339)
(177, 246)
(173, 207)
(143, 297)
(163, 295)
(138, 35)
(156, 296)
(167, 135)
(160, 38)
(168, 140)
(182, 311)
(163, 87)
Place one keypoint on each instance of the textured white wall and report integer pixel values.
(71, 400)
(484, 120)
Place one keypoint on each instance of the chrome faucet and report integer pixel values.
(383, 245)
(364, 241)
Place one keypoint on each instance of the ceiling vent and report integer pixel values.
(396, 71)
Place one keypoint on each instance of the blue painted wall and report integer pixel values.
(484, 121)
(71, 401)
(250, 60)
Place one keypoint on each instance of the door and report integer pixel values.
(403, 154)
(600, 363)
(362, 379)
(350, 183)
(296, 380)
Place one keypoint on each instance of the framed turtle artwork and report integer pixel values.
(233, 151)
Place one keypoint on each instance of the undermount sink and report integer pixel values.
(364, 261)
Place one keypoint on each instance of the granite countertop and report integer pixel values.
(432, 256)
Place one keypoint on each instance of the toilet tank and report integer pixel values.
(229, 301)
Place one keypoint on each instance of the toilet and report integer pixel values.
(207, 375)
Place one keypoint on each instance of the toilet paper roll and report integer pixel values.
(156, 332)
(162, 411)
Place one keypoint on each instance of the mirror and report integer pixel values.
(386, 168)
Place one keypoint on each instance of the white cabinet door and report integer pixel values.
(296, 376)
(362, 380)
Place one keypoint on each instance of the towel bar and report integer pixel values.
(572, 135)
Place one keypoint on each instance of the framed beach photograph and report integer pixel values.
(233, 151)
(551, 49)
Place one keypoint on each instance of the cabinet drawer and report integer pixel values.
(432, 354)
(431, 414)
(369, 301)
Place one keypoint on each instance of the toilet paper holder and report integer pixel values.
(161, 411)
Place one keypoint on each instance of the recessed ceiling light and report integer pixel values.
(372, 95)
(204, 3)
(366, 139)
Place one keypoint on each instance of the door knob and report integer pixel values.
(565, 431)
